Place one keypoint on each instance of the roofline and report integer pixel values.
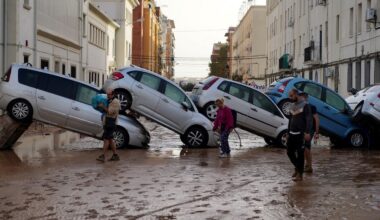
(103, 15)
(246, 14)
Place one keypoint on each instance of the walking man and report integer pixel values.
(109, 126)
(314, 135)
(224, 124)
(300, 125)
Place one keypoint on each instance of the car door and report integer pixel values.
(170, 107)
(238, 97)
(335, 112)
(267, 117)
(54, 98)
(146, 94)
(29, 79)
(83, 117)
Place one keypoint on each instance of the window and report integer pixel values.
(93, 78)
(85, 94)
(326, 34)
(377, 70)
(240, 92)
(337, 31)
(369, 6)
(313, 90)
(367, 74)
(26, 58)
(261, 101)
(351, 30)
(44, 64)
(335, 101)
(57, 64)
(73, 71)
(63, 68)
(113, 47)
(28, 77)
(97, 36)
(108, 45)
(223, 86)
(299, 85)
(84, 20)
(360, 17)
(151, 81)
(27, 5)
(57, 85)
(358, 75)
(134, 75)
(349, 77)
(174, 93)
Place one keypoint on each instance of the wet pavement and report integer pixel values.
(42, 180)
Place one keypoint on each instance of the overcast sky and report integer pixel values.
(199, 24)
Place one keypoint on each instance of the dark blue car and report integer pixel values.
(334, 112)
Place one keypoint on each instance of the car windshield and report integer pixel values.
(206, 81)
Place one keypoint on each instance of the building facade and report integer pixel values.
(228, 35)
(335, 43)
(249, 51)
(167, 47)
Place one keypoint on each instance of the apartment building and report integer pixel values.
(335, 43)
(249, 40)
(228, 35)
(167, 47)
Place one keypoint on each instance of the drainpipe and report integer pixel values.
(5, 37)
(356, 32)
(35, 33)
(80, 68)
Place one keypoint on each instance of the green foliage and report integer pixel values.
(237, 77)
(219, 67)
(188, 87)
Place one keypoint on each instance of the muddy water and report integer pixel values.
(170, 182)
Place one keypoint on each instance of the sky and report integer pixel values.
(199, 24)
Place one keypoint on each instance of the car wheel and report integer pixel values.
(196, 137)
(125, 99)
(357, 139)
(210, 111)
(121, 137)
(285, 107)
(269, 141)
(358, 115)
(282, 139)
(20, 110)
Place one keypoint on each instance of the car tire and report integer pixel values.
(125, 99)
(20, 110)
(357, 139)
(358, 115)
(195, 137)
(120, 137)
(210, 111)
(269, 141)
(284, 106)
(282, 139)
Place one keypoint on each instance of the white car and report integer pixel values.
(256, 112)
(162, 101)
(366, 102)
(28, 93)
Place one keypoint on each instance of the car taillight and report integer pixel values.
(7, 75)
(283, 86)
(208, 85)
(117, 76)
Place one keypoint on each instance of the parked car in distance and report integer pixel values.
(256, 112)
(162, 101)
(365, 102)
(334, 112)
(28, 93)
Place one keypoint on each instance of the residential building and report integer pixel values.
(167, 47)
(229, 34)
(146, 39)
(249, 40)
(336, 43)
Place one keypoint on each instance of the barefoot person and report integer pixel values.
(314, 135)
(300, 124)
(224, 123)
(109, 125)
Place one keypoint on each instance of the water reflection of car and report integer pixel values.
(255, 111)
(334, 112)
(29, 93)
(366, 102)
(162, 101)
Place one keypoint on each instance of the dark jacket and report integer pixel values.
(301, 119)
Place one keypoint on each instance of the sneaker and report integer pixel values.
(101, 158)
(223, 156)
(114, 157)
(308, 169)
(298, 178)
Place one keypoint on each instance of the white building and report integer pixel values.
(323, 40)
(121, 11)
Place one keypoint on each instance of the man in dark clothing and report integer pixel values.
(299, 129)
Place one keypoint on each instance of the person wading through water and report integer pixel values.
(300, 125)
(224, 124)
(109, 126)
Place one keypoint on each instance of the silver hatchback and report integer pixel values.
(28, 93)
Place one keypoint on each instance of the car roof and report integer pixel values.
(24, 66)
(229, 80)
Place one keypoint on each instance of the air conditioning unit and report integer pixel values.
(321, 2)
(312, 44)
(371, 15)
(330, 72)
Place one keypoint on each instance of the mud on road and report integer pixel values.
(166, 181)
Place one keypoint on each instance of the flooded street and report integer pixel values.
(41, 179)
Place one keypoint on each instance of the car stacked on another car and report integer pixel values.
(256, 112)
(334, 112)
(29, 93)
(162, 101)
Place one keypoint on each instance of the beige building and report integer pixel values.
(249, 40)
(167, 47)
(336, 43)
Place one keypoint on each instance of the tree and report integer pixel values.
(237, 77)
(187, 87)
(218, 66)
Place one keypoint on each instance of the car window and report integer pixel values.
(298, 85)
(223, 86)
(261, 101)
(175, 94)
(313, 90)
(28, 77)
(85, 94)
(335, 101)
(56, 85)
(150, 81)
(134, 74)
(239, 91)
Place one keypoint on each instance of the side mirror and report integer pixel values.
(353, 91)
(185, 106)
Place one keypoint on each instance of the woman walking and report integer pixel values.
(224, 123)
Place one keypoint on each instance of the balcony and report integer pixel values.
(284, 62)
(312, 56)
